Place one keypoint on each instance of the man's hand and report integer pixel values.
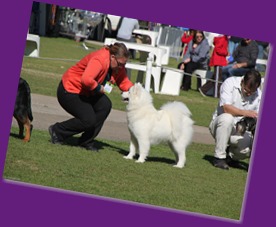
(250, 113)
(239, 112)
(239, 65)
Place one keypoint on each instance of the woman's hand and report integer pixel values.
(182, 66)
(187, 60)
(102, 89)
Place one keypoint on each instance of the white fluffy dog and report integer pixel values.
(172, 123)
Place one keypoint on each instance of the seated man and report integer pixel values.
(245, 56)
(239, 97)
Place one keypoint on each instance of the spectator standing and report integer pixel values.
(186, 38)
(196, 57)
(245, 56)
(239, 97)
(218, 59)
(125, 34)
(125, 31)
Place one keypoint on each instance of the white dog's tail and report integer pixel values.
(176, 107)
(180, 117)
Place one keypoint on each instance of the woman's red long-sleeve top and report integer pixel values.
(91, 71)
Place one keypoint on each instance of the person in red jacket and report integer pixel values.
(218, 59)
(81, 93)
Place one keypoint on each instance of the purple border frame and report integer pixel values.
(26, 205)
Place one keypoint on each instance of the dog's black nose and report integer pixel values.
(126, 100)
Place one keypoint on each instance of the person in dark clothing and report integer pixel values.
(245, 56)
(218, 60)
(233, 42)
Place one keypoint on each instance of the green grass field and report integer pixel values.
(199, 187)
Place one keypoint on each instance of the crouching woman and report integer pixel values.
(82, 93)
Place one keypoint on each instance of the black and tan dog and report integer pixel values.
(23, 111)
(246, 124)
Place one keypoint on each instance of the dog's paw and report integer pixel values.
(140, 161)
(128, 157)
(178, 166)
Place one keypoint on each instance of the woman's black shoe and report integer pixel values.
(54, 138)
(90, 146)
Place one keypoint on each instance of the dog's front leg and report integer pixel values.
(144, 146)
(28, 128)
(132, 147)
(21, 127)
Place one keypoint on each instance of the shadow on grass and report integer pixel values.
(160, 159)
(16, 135)
(73, 141)
(125, 152)
(234, 164)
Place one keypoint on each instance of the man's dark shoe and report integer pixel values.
(54, 139)
(231, 162)
(221, 163)
(237, 164)
(90, 146)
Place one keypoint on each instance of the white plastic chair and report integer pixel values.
(203, 74)
(172, 81)
(32, 47)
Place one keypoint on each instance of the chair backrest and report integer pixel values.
(261, 62)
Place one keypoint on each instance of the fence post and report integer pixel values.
(148, 71)
(216, 83)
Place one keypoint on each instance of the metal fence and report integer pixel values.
(170, 36)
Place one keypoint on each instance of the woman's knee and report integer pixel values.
(88, 122)
(108, 104)
(105, 107)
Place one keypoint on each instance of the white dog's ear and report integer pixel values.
(139, 84)
(135, 87)
(138, 89)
